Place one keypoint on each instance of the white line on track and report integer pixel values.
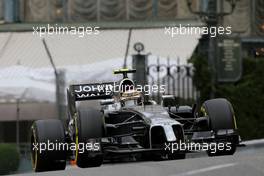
(198, 171)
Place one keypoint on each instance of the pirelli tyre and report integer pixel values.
(89, 131)
(221, 118)
(46, 136)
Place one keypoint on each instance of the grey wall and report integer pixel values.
(28, 111)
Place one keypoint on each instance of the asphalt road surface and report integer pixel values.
(245, 162)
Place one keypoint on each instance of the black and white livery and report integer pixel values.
(130, 124)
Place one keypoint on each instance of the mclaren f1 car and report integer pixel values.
(129, 124)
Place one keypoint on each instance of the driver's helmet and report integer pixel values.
(131, 98)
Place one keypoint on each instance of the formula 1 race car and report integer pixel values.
(129, 124)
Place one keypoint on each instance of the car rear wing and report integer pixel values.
(93, 91)
(83, 92)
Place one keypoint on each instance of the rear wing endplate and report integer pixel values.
(94, 91)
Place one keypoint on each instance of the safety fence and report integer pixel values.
(177, 78)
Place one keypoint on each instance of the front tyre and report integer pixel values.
(45, 135)
(222, 121)
(89, 129)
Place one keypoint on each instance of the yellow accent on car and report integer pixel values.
(234, 117)
(124, 69)
(121, 70)
(203, 111)
(34, 164)
(76, 137)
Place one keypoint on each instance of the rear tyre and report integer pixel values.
(90, 129)
(44, 132)
(221, 117)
